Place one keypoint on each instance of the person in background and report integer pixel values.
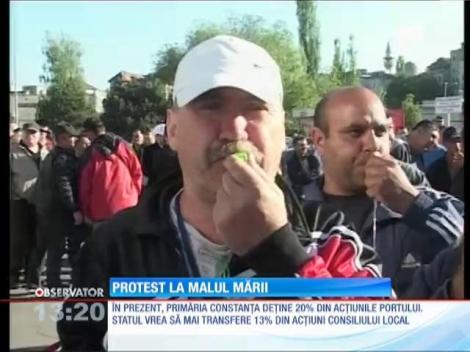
(82, 143)
(160, 159)
(458, 187)
(158, 137)
(25, 162)
(15, 134)
(110, 174)
(421, 138)
(57, 202)
(149, 137)
(399, 150)
(442, 173)
(45, 133)
(439, 122)
(435, 151)
(137, 143)
(50, 141)
(302, 168)
(402, 133)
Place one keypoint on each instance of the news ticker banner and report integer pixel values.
(288, 325)
(248, 287)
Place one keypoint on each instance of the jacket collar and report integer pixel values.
(154, 212)
(42, 152)
(384, 213)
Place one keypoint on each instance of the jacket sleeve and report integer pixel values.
(133, 165)
(62, 178)
(338, 253)
(85, 184)
(400, 152)
(414, 174)
(436, 214)
(146, 160)
(433, 280)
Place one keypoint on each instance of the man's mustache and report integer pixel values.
(221, 151)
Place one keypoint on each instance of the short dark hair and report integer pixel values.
(94, 124)
(424, 126)
(297, 139)
(319, 118)
(146, 130)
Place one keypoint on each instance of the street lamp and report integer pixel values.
(446, 84)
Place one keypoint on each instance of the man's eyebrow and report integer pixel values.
(354, 126)
(362, 126)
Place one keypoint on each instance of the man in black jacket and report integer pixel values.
(158, 159)
(218, 216)
(302, 168)
(60, 209)
(443, 172)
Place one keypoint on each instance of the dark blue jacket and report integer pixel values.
(439, 176)
(405, 242)
(299, 177)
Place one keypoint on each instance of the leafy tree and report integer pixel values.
(400, 66)
(439, 64)
(168, 59)
(351, 76)
(423, 87)
(299, 88)
(337, 73)
(412, 111)
(309, 35)
(134, 105)
(65, 98)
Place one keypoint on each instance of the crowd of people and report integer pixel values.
(66, 181)
(350, 200)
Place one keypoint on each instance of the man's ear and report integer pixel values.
(171, 127)
(318, 137)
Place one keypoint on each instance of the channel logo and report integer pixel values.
(69, 292)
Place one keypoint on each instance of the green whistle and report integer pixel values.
(242, 156)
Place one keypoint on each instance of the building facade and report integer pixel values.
(377, 81)
(24, 103)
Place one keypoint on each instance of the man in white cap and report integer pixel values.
(159, 133)
(218, 215)
(158, 159)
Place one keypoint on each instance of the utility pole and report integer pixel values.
(445, 95)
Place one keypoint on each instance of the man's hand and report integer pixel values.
(387, 182)
(78, 218)
(249, 205)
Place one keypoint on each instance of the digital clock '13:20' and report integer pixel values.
(79, 311)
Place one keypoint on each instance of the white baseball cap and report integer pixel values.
(227, 61)
(159, 129)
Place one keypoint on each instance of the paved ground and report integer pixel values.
(31, 323)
